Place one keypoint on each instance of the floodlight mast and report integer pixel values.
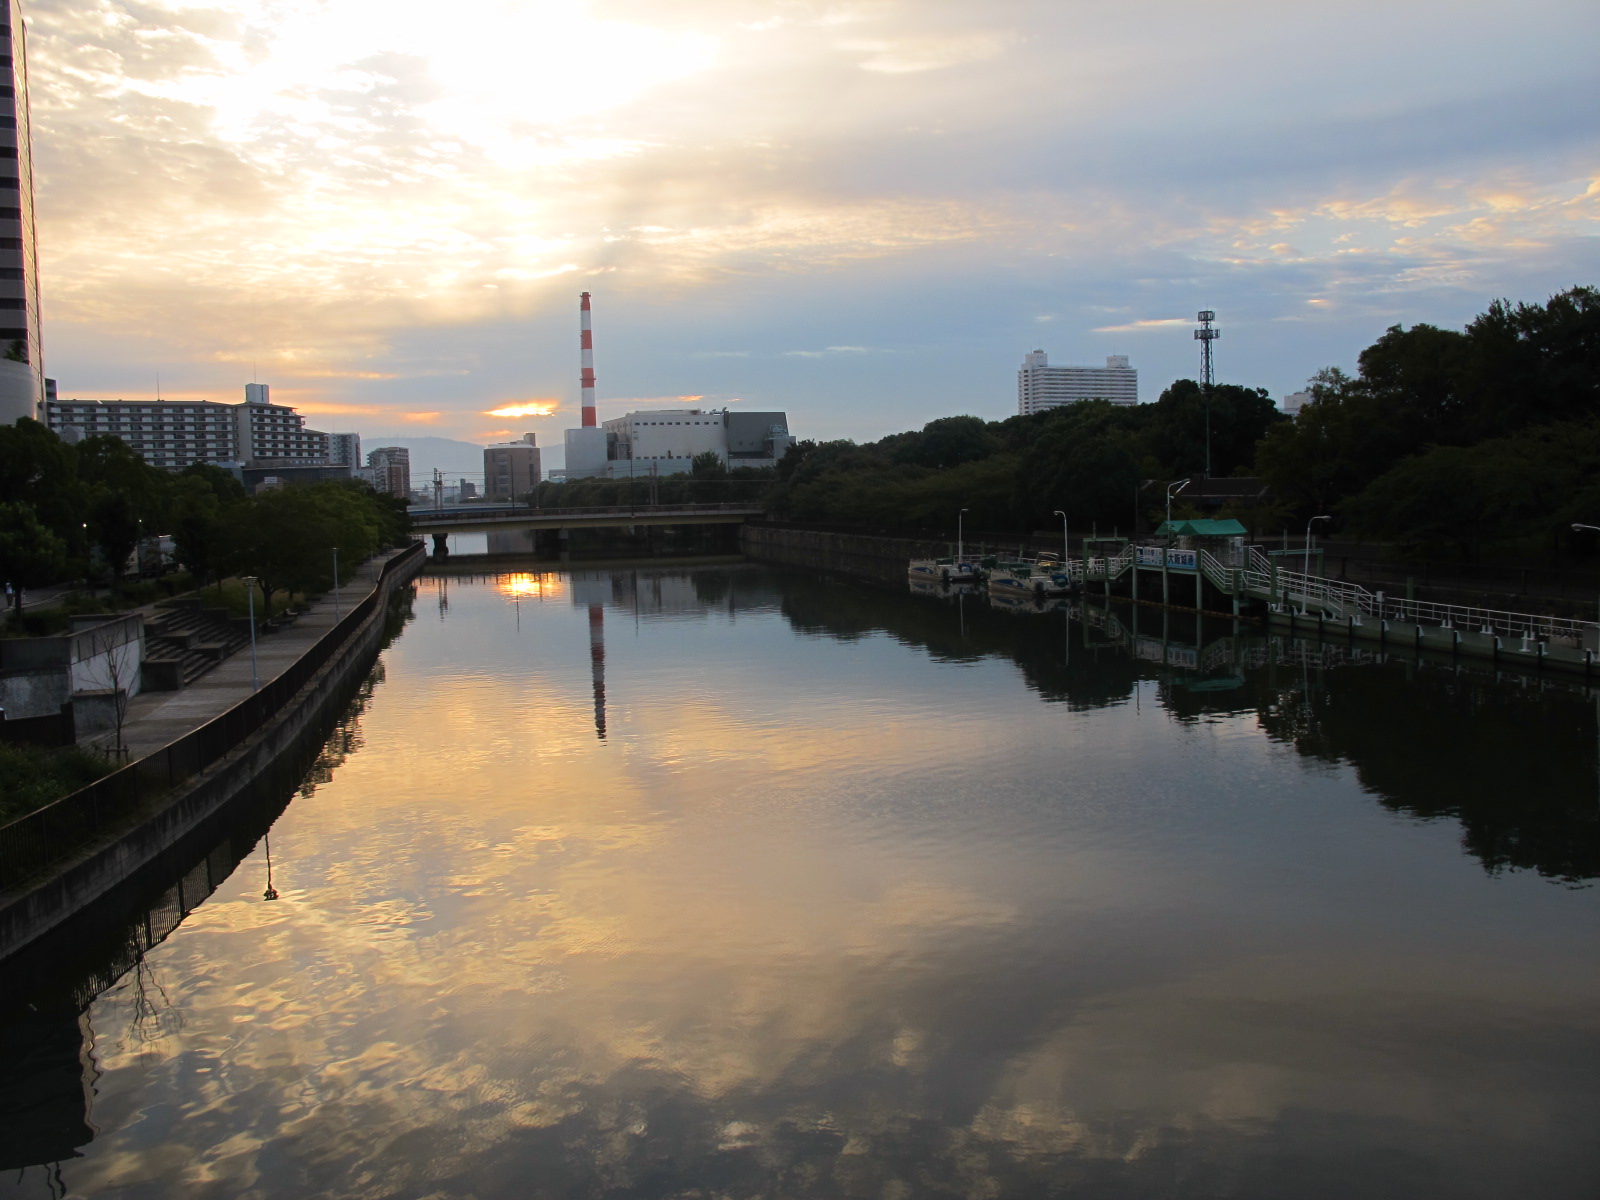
(1205, 335)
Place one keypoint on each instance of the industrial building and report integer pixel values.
(257, 434)
(1041, 386)
(510, 469)
(22, 383)
(666, 441)
(661, 441)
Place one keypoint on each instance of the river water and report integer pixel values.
(733, 881)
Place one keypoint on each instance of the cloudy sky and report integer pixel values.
(862, 212)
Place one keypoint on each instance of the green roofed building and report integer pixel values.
(1202, 527)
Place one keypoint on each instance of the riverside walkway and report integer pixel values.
(156, 719)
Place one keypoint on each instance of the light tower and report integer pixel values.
(586, 352)
(1205, 335)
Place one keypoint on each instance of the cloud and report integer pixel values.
(528, 408)
(828, 351)
(1145, 325)
(386, 213)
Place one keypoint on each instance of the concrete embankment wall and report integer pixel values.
(33, 911)
(868, 556)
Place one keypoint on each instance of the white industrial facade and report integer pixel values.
(666, 441)
(1041, 386)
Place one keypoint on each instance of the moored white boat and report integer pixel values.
(947, 570)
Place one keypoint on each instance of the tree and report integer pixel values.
(30, 555)
(1175, 427)
(114, 530)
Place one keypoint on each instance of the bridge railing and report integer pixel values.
(420, 519)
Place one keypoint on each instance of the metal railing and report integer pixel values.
(31, 843)
(1346, 599)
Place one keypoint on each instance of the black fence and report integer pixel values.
(32, 843)
(52, 729)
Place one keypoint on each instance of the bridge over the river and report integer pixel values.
(505, 518)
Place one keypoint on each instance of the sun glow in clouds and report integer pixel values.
(530, 408)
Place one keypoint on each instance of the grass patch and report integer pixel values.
(33, 776)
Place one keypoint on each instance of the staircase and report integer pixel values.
(186, 641)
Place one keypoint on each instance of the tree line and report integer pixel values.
(1484, 440)
(79, 511)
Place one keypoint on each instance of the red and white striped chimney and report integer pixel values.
(586, 347)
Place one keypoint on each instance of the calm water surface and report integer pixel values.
(737, 882)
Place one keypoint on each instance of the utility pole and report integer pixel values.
(438, 490)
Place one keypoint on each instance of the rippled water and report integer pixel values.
(737, 882)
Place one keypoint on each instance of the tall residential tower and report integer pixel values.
(21, 355)
(1041, 386)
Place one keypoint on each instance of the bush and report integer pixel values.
(33, 776)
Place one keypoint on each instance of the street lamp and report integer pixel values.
(1172, 490)
(1066, 542)
(960, 535)
(1308, 542)
(249, 582)
(338, 612)
(1576, 527)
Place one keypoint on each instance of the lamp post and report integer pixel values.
(1066, 544)
(249, 582)
(1172, 490)
(1308, 542)
(961, 548)
(338, 612)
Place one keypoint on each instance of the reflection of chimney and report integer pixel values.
(586, 354)
(597, 666)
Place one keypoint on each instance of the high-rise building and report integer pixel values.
(344, 450)
(175, 433)
(510, 469)
(1294, 402)
(275, 433)
(391, 470)
(1041, 386)
(22, 391)
(165, 433)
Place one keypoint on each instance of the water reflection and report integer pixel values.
(803, 888)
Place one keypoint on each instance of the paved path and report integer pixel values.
(157, 718)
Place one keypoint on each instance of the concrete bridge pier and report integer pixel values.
(441, 545)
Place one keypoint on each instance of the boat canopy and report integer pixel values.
(1202, 527)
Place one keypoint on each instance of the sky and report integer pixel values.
(863, 213)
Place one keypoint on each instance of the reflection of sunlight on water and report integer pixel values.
(524, 586)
